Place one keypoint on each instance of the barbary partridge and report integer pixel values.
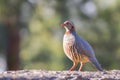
(77, 49)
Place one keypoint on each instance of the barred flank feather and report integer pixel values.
(74, 54)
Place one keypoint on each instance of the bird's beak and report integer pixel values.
(63, 25)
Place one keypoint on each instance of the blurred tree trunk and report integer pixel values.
(10, 15)
(12, 23)
(13, 60)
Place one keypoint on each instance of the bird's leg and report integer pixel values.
(74, 66)
(81, 66)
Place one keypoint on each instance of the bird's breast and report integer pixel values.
(69, 40)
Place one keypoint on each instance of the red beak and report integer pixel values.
(63, 25)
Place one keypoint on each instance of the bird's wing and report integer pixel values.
(84, 47)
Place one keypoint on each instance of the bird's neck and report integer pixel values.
(70, 31)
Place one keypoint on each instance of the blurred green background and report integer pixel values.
(31, 36)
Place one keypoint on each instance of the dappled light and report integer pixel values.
(31, 36)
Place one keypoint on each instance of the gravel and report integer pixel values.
(59, 75)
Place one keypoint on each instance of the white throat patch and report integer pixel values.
(66, 29)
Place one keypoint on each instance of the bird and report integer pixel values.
(77, 49)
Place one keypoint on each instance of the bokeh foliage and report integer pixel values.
(97, 21)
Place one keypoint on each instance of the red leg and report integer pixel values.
(74, 66)
(81, 66)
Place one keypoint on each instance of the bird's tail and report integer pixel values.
(96, 64)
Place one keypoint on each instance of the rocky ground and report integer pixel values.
(59, 75)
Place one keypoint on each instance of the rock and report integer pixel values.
(59, 75)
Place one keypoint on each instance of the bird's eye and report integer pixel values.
(67, 23)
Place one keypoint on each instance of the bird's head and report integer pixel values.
(68, 25)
